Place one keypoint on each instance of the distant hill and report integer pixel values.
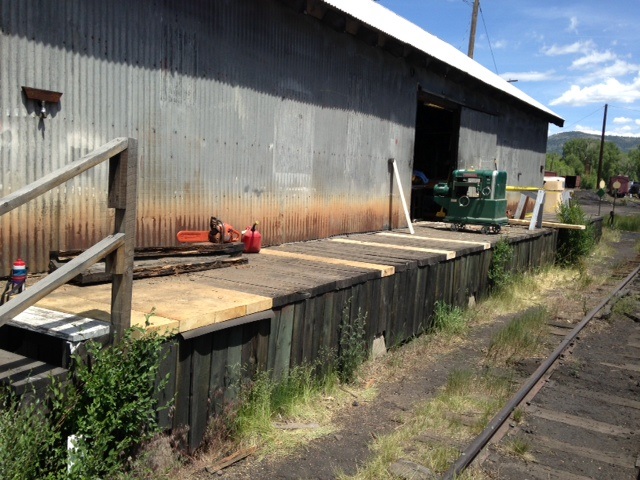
(557, 141)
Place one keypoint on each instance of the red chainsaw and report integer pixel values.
(219, 232)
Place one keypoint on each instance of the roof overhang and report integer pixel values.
(379, 26)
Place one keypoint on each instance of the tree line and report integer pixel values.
(580, 157)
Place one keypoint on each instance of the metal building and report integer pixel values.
(284, 112)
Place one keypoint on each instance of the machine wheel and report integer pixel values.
(464, 201)
(496, 228)
(454, 227)
(486, 191)
(484, 230)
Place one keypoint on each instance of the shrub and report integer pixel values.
(353, 348)
(27, 440)
(115, 405)
(574, 245)
(500, 269)
(109, 406)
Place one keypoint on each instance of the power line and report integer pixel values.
(625, 108)
(488, 40)
(586, 116)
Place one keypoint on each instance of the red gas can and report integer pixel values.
(252, 239)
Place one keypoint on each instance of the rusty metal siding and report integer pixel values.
(242, 109)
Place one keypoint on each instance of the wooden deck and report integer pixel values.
(278, 276)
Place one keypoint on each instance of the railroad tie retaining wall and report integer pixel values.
(204, 372)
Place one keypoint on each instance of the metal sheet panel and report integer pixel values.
(242, 109)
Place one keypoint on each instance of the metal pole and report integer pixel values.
(604, 126)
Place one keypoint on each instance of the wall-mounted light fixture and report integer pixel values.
(42, 96)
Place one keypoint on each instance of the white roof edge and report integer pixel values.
(390, 23)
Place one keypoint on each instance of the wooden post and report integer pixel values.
(538, 209)
(123, 186)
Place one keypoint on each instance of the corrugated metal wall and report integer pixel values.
(243, 109)
(508, 140)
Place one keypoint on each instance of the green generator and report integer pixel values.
(474, 197)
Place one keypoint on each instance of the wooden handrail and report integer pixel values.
(117, 249)
(58, 177)
(59, 277)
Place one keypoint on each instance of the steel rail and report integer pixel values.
(472, 451)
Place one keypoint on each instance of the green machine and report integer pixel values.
(474, 197)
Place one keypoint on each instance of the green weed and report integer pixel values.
(574, 245)
(500, 269)
(521, 337)
(449, 320)
(353, 347)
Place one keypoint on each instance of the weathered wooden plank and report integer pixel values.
(183, 389)
(167, 370)
(233, 374)
(326, 343)
(122, 195)
(250, 349)
(218, 370)
(375, 297)
(200, 378)
(188, 250)
(262, 347)
(410, 299)
(24, 374)
(419, 300)
(430, 294)
(316, 314)
(399, 315)
(154, 268)
(282, 342)
(297, 339)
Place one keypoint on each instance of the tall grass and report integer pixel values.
(521, 337)
(449, 320)
(266, 399)
(627, 223)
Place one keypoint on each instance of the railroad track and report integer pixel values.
(581, 406)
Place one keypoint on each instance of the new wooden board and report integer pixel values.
(385, 270)
(449, 254)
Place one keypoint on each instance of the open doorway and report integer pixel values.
(435, 153)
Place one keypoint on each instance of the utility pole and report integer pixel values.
(474, 21)
(604, 126)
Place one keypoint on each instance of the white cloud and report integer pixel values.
(528, 76)
(581, 128)
(622, 120)
(573, 25)
(500, 44)
(592, 59)
(576, 47)
(626, 131)
(617, 69)
(611, 90)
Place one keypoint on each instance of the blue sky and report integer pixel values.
(572, 56)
